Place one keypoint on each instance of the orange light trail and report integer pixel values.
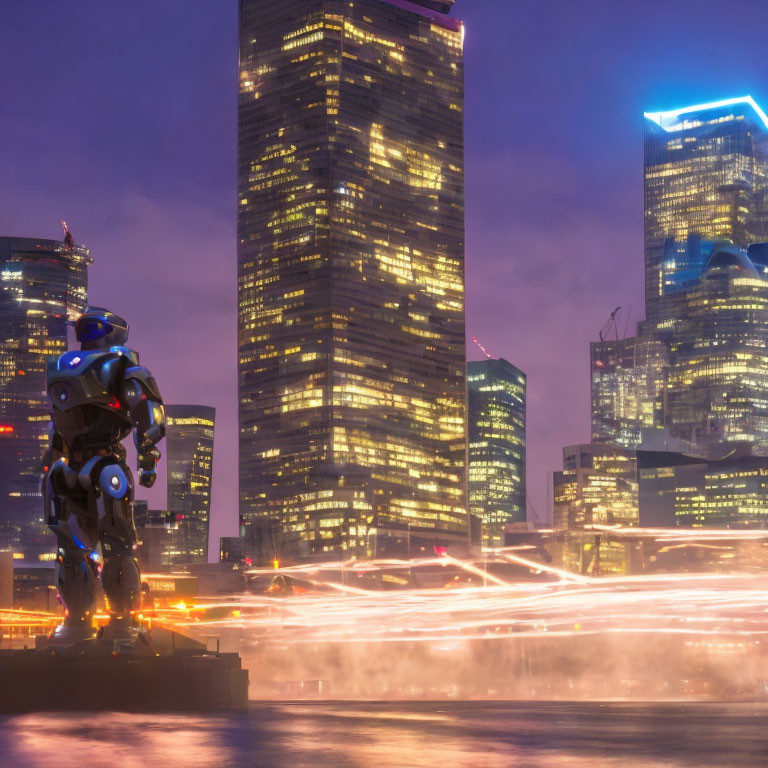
(337, 607)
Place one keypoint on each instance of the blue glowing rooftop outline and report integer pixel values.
(670, 121)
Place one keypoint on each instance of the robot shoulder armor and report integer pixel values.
(146, 380)
(131, 357)
(76, 363)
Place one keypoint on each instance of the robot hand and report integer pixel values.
(147, 477)
(148, 467)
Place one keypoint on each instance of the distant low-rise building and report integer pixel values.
(159, 548)
(676, 489)
(616, 551)
(34, 589)
(597, 486)
(231, 549)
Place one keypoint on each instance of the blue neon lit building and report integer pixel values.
(706, 180)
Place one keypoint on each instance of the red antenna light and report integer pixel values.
(482, 348)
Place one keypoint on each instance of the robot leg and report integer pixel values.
(77, 560)
(117, 533)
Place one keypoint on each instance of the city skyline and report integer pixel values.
(130, 210)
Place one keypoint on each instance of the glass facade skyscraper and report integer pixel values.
(717, 389)
(628, 378)
(706, 179)
(496, 416)
(351, 340)
(706, 186)
(189, 448)
(43, 284)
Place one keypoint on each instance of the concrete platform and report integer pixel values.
(100, 678)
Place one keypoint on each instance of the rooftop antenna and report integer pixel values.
(69, 241)
(482, 348)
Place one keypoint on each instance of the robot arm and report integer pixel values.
(148, 414)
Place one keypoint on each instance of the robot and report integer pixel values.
(99, 395)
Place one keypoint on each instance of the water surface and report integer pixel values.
(396, 735)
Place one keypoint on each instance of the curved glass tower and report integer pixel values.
(718, 381)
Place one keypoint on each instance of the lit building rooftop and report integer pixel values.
(436, 10)
(678, 119)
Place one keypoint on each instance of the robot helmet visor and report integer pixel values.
(92, 328)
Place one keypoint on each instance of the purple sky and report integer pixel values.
(120, 117)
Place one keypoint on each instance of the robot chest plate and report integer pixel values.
(75, 380)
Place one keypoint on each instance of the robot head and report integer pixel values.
(99, 327)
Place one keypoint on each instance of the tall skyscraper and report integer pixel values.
(43, 284)
(628, 379)
(351, 275)
(706, 179)
(496, 416)
(706, 184)
(189, 448)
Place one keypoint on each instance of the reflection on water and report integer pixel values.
(443, 735)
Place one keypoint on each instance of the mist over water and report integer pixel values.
(456, 668)
(689, 637)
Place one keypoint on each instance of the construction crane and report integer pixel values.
(482, 348)
(69, 241)
(611, 323)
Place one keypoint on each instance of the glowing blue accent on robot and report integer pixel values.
(670, 121)
(78, 542)
(96, 557)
